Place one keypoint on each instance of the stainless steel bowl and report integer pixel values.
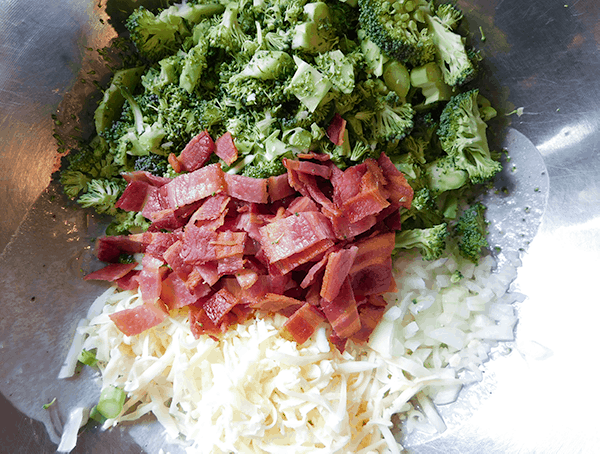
(540, 397)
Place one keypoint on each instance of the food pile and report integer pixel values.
(268, 165)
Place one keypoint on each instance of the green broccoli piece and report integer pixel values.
(430, 242)
(156, 37)
(338, 68)
(430, 80)
(397, 78)
(153, 163)
(472, 230)
(102, 195)
(112, 102)
(452, 56)
(444, 175)
(399, 29)
(91, 161)
(267, 65)
(308, 85)
(194, 64)
(127, 222)
(394, 120)
(228, 33)
(168, 72)
(264, 169)
(317, 35)
(462, 134)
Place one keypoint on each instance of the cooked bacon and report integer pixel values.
(207, 271)
(150, 278)
(337, 269)
(247, 189)
(175, 260)
(370, 316)
(294, 234)
(197, 152)
(274, 302)
(212, 208)
(155, 202)
(246, 278)
(138, 319)
(198, 245)
(341, 312)
(300, 204)
(302, 323)
(226, 149)
(323, 157)
(134, 197)
(279, 187)
(370, 200)
(401, 192)
(336, 130)
(129, 281)
(177, 167)
(110, 248)
(111, 272)
(347, 184)
(191, 187)
(219, 304)
(230, 265)
(175, 294)
(307, 167)
(146, 177)
(200, 323)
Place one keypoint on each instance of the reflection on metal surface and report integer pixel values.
(538, 398)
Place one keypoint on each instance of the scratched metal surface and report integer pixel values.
(542, 55)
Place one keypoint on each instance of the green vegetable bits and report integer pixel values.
(274, 74)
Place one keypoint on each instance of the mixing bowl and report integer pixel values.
(542, 61)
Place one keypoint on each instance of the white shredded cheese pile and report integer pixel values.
(253, 391)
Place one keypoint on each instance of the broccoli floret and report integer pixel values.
(267, 65)
(338, 68)
(472, 230)
(153, 163)
(127, 222)
(394, 120)
(265, 169)
(397, 78)
(399, 29)
(156, 37)
(228, 33)
(462, 134)
(430, 80)
(308, 85)
(194, 64)
(91, 161)
(444, 175)
(430, 242)
(102, 195)
(317, 35)
(451, 54)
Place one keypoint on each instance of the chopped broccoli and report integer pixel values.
(430, 242)
(317, 35)
(394, 120)
(156, 37)
(462, 134)
(74, 182)
(399, 29)
(102, 195)
(430, 80)
(265, 169)
(308, 85)
(228, 33)
(153, 163)
(194, 65)
(471, 230)
(127, 222)
(452, 56)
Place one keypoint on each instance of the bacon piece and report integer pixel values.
(198, 245)
(109, 248)
(286, 265)
(279, 187)
(175, 260)
(323, 157)
(336, 130)
(302, 323)
(346, 230)
(307, 167)
(400, 191)
(274, 302)
(146, 177)
(150, 278)
(175, 294)
(226, 149)
(129, 281)
(155, 202)
(208, 272)
(347, 184)
(138, 319)
(229, 244)
(370, 316)
(336, 271)
(341, 312)
(219, 304)
(371, 272)
(200, 323)
(246, 188)
(294, 234)
(370, 200)
(177, 167)
(134, 197)
(111, 272)
(246, 278)
(230, 265)
(159, 244)
(197, 152)
(211, 208)
(191, 187)
(300, 204)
